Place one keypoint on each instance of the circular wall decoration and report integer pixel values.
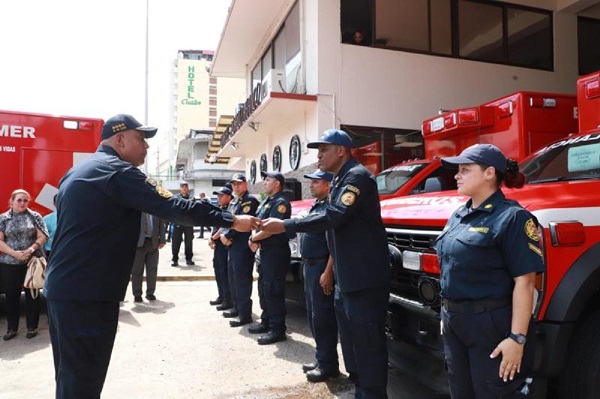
(263, 163)
(295, 148)
(277, 158)
(252, 172)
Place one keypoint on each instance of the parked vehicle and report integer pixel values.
(563, 191)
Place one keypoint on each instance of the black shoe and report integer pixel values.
(31, 332)
(174, 264)
(150, 297)
(10, 334)
(239, 322)
(138, 298)
(258, 329)
(271, 338)
(309, 366)
(190, 263)
(318, 375)
(225, 305)
(231, 313)
(217, 301)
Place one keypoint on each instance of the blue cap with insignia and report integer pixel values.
(238, 177)
(275, 175)
(332, 136)
(223, 190)
(122, 122)
(183, 183)
(485, 154)
(319, 174)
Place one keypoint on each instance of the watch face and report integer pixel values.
(295, 152)
(519, 338)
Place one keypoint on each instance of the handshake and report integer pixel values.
(246, 223)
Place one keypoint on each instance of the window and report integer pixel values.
(212, 80)
(212, 91)
(212, 101)
(480, 31)
(588, 32)
(212, 122)
(471, 29)
(212, 112)
(284, 47)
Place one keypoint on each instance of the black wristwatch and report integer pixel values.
(518, 338)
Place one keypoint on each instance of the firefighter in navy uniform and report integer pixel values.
(318, 287)
(100, 201)
(489, 255)
(358, 245)
(274, 262)
(221, 254)
(241, 258)
(181, 232)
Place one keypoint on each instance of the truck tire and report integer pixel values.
(582, 369)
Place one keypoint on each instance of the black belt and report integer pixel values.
(315, 261)
(477, 306)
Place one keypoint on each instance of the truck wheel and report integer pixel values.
(582, 369)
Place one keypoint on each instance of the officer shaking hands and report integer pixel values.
(358, 245)
(100, 201)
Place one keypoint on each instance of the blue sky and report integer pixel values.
(87, 58)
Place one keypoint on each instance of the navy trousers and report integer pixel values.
(274, 264)
(183, 233)
(220, 263)
(469, 339)
(361, 322)
(321, 318)
(82, 335)
(242, 264)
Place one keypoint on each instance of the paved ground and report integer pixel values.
(181, 347)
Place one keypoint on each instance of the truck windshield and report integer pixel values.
(390, 180)
(575, 158)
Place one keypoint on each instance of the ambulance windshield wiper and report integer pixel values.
(566, 178)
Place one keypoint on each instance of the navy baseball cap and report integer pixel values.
(223, 190)
(238, 177)
(332, 136)
(122, 122)
(486, 154)
(319, 174)
(183, 183)
(275, 175)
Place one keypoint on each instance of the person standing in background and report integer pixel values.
(50, 220)
(274, 262)
(150, 240)
(318, 286)
(241, 258)
(202, 197)
(220, 257)
(22, 233)
(183, 232)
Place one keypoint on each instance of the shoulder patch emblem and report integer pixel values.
(355, 190)
(281, 208)
(163, 192)
(531, 230)
(151, 182)
(246, 209)
(348, 198)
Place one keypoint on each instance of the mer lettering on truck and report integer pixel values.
(25, 132)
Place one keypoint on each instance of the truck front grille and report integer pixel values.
(405, 283)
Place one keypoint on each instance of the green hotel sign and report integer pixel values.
(191, 78)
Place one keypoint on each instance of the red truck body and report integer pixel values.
(563, 192)
(37, 150)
